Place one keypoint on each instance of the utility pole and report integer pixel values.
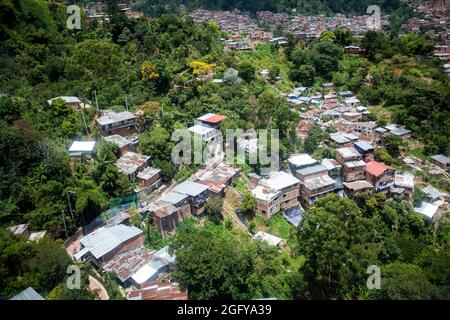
(84, 223)
(84, 120)
(65, 226)
(96, 101)
(126, 102)
(70, 206)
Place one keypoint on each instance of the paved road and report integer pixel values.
(94, 284)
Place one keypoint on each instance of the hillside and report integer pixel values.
(348, 7)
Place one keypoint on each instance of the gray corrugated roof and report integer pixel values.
(432, 192)
(106, 239)
(173, 197)
(190, 188)
(313, 169)
(28, 294)
(163, 253)
(441, 158)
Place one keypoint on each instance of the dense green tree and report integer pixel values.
(402, 281)
(392, 144)
(214, 207)
(315, 136)
(377, 45)
(22, 264)
(337, 243)
(305, 74)
(62, 292)
(248, 203)
(247, 71)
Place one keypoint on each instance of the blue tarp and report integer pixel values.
(294, 215)
(242, 217)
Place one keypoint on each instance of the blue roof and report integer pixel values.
(363, 145)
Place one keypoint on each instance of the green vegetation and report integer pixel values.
(279, 226)
(160, 67)
(216, 263)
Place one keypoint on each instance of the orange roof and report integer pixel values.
(158, 291)
(376, 168)
(215, 118)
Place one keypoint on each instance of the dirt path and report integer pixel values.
(230, 204)
(95, 285)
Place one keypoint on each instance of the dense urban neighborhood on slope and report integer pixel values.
(86, 151)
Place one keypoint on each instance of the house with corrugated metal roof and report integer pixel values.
(197, 194)
(28, 294)
(104, 243)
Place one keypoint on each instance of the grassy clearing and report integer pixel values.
(277, 225)
(262, 57)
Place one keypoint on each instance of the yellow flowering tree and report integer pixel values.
(149, 71)
(201, 67)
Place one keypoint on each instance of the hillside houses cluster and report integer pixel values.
(343, 111)
(304, 27)
(117, 246)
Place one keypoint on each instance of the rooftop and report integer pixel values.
(162, 209)
(405, 180)
(106, 239)
(358, 185)
(212, 118)
(331, 164)
(355, 164)
(18, 229)
(126, 264)
(432, 192)
(163, 253)
(311, 170)
(351, 100)
(190, 188)
(201, 130)
(342, 137)
(302, 159)
(114, 117)
(130, 162)
(280, 180)
(67, 99)
(346, 93)
(441, 159)
(377, 168)
(401, 132)
(427, 209)
(393, 126)
(147, 173)
(82, 146)
(216, 178)
(268, 238)
(348, 153)
(148, 270)
(173, 197)
(36, 236)
(28, 294)
(364, 145)
(118, 139)
(319, 182)
(381, 130)
(158, 291)
(263, 193)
